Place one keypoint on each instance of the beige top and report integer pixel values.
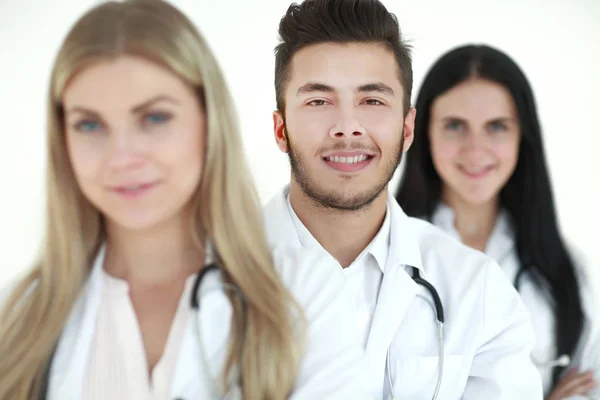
(117, 368)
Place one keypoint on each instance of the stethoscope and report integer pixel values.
(439, 316)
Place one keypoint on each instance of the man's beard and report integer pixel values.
(331, 199)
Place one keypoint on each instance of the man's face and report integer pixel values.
(344, 128)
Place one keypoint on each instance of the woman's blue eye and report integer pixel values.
(497, 126)
(87, 126)
(453, 126)
(157, 118)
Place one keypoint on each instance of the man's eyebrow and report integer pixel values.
(375, 87)
(368, 87)
(314, 87)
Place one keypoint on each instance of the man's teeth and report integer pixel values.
(348, 160)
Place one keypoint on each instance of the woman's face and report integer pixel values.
(135, 136)
(474, 134)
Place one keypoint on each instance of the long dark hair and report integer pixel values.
(527, 196)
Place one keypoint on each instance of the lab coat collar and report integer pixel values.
(404, 241)
(502, 237)
(380, 245)
(403, 244)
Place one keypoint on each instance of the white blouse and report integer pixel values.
(117, 368)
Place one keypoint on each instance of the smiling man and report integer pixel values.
(438, 320)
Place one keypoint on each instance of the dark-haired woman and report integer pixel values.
(477, 170)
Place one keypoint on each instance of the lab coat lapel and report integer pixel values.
(67, 372)
(395, 296)
(397, 292)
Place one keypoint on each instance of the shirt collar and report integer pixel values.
(304, 236)
(378, 247)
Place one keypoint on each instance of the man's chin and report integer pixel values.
(344, 201)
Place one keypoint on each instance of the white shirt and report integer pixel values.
(363, 276)
(117, 367)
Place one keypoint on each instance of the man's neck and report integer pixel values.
(343, 234)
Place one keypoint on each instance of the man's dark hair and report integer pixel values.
(339, 21)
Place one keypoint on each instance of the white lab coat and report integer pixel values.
(501, 247)
(488, 332)
(329, 368)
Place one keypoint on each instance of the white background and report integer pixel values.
(555, 42)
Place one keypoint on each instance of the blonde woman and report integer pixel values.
(145, 168)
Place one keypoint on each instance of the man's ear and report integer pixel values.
(279, 131)
(409, 128)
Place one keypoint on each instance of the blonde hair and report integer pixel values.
(266, 348)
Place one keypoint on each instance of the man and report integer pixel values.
(343, 83)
